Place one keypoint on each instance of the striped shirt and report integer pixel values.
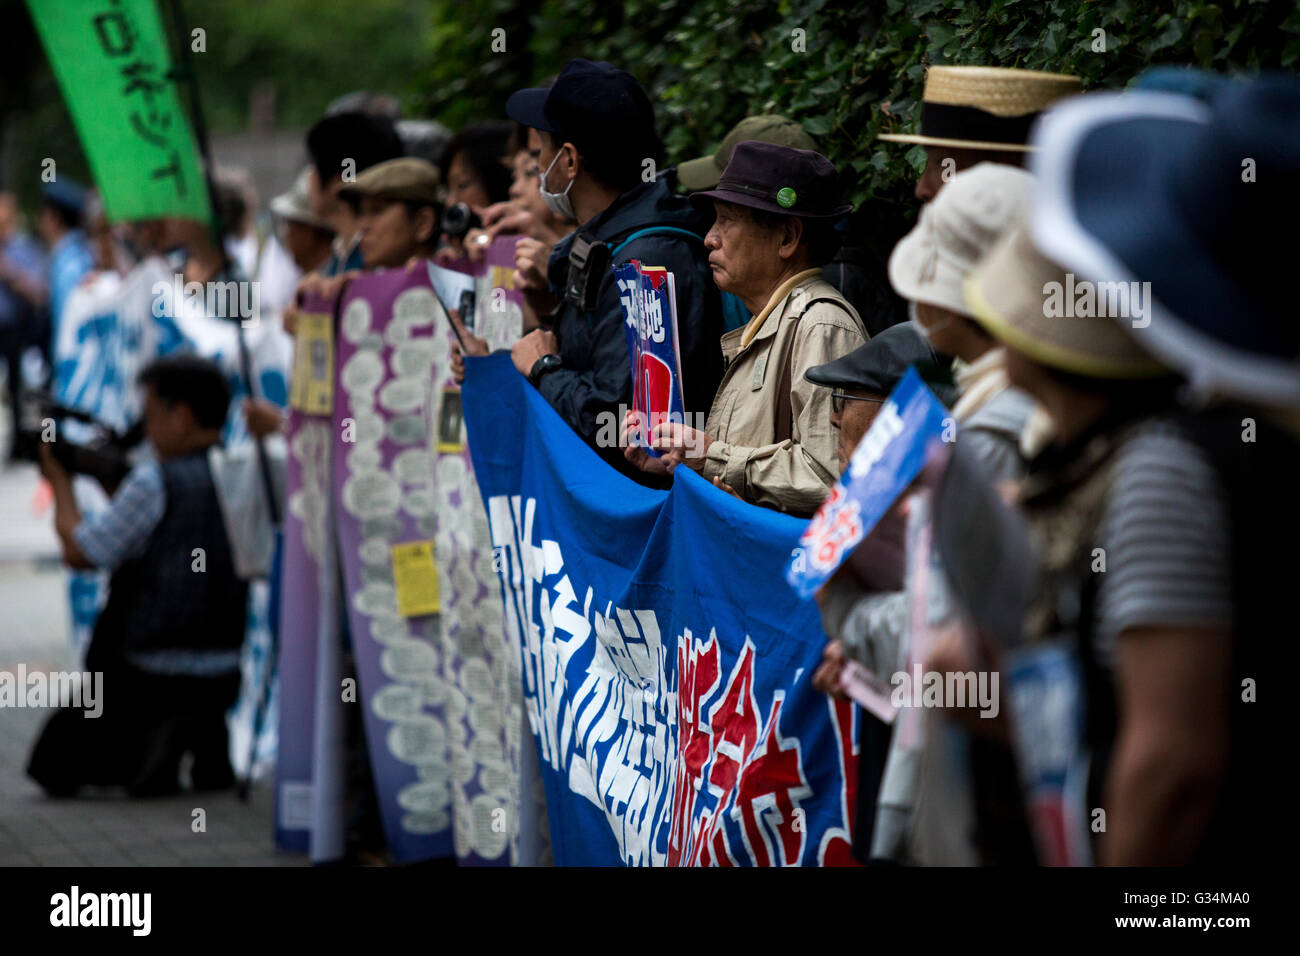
(1165, 533)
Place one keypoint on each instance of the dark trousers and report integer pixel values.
(12, 341)
(149, 722)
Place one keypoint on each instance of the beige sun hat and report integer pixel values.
(955, 231)
(984, 107)
(1009, 294)
(295, 204)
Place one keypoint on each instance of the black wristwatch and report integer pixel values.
(547, 363)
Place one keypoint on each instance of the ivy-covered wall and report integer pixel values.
(856, 69)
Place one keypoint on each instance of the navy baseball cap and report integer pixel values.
(587, 101)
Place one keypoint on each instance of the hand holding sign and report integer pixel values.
(467, 343)
(885, 462)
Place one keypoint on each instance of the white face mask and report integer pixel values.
(558, 203)
(921, 330)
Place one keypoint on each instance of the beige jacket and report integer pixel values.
(793, 475)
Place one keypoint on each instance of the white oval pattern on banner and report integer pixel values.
(389, 630)
(363, 372)
(377, 599)
(375, 551)
(418, 502)
(372, 494)
(364, 458)
(413, 358)
(407, 430)
(356, 320)
(408, 660)
(403, 394)
(412, 467)
(426, 822)
(397, 702)
(416, 739)
(416, 308)
(424, 797)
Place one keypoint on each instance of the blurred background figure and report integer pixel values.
(424, 138)
(22, 300)
(474, 166)
(476, 173)
(307, 237)
(60, 226)
(345, 143)
(238, 201)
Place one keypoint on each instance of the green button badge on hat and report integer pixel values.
(786, 197)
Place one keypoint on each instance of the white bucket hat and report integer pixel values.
(295, 204)
(957, 229)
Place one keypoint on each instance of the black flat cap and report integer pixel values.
(881, 364)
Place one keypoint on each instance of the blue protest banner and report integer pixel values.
(666, 668)
(890, 455)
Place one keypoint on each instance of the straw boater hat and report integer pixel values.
(1007, 294)
(984, 107)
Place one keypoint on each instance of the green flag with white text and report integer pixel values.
(115, 70)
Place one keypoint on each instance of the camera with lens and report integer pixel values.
(98, 450)
(459, 219)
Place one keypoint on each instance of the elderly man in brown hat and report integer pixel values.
(768, 437)
(973, 114)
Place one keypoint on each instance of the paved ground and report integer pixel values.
(104, 829)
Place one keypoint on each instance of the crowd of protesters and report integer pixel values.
(1121, 462)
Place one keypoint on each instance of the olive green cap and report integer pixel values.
(406, 179)
(704, 173)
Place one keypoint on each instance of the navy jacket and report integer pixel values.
(595, 375)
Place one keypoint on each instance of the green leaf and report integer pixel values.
(817, 125)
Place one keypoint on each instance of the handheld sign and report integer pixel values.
(648, 298)
(889, 456)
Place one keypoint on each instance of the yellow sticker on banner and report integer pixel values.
(416, 578)
(499, 277)
(313, 365)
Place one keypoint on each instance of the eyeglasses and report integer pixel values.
(838, 398)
